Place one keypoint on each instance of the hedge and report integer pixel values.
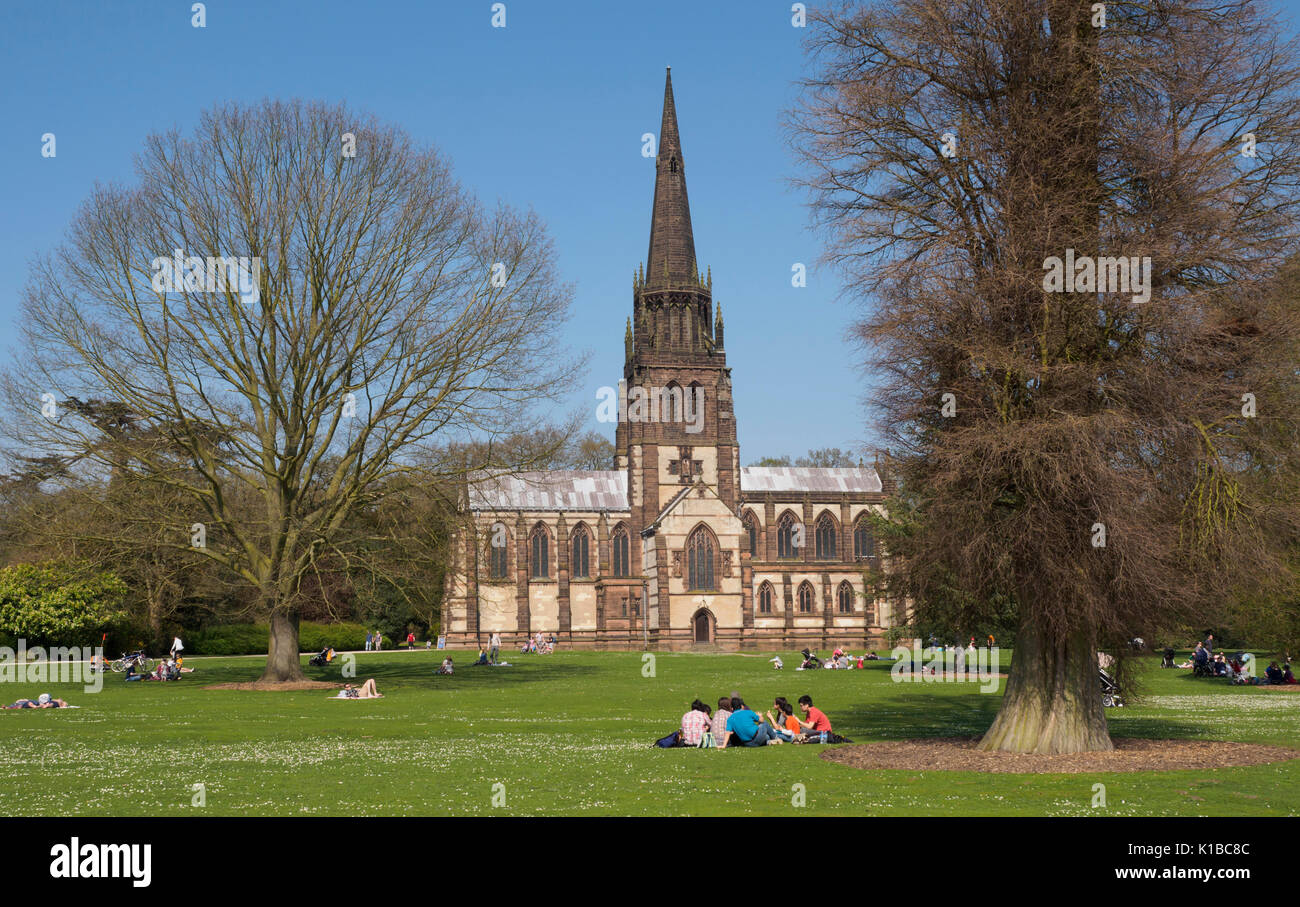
(253, 639)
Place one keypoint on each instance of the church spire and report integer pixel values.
(671, 260)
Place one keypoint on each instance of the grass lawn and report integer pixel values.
(571, 733)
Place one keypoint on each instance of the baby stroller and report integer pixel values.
(1168, 661)
(1111, 697)
(810, 661)
(322, 658)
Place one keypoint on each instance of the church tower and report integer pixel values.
(685, 431)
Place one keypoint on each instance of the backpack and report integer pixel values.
(672, 740)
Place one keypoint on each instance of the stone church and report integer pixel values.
(678, 546)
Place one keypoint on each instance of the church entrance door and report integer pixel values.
(702, 626)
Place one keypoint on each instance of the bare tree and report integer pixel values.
(291, 302)
(1085, 447)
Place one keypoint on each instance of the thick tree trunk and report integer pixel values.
(282, 660)
(1053, 698)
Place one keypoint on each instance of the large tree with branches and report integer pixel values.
(379, 310)
(1100, 455)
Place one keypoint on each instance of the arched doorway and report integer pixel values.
(702, 624)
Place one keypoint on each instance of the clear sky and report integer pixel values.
(547, 113)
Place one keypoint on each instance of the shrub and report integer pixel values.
(59, 602)
(252, 639)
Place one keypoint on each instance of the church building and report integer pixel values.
(677, 546)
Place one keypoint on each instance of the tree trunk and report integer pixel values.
(282, 661)
(1053, 698)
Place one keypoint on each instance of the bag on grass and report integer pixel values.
(672, 740)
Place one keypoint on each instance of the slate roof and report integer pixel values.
(760, 479)
(556, 489)
(606, 489)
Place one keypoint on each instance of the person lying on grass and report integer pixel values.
(44, 701)
(745, 728)
(367, 690)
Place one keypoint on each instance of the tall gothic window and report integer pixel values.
(699, 560)
(805, 598)
(621, 561)
(825, 538)
(541, 553)
(498, 554)
(765, 598)
(751, 529)
(580, 554)
(844, 598)
(787, 535)
(863, 543)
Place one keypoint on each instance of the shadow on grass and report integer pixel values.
(466, 677)
(922, 712)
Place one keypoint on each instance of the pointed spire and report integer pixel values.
(671, 259)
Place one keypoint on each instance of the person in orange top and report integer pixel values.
(787, 726)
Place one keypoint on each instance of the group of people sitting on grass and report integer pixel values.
(1238, 668)
(168, 669)
(839, 659)
(735, 724)
(44, 701)
(538, 644)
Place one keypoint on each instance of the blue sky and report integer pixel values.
(547, 112)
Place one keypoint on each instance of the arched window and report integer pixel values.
(825, 538)
(579, 551)
(541, 553)
(765, 598)
(699, 560)
(844, 598)
(750, 522)
(621, 561)
(671, 404)
(498, 551)
(806, 597)
(789, 536)
(864, 545)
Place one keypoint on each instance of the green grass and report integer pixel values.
(571, 733)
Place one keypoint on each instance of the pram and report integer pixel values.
(322, 658)
(1168, 661)
(1111, 696)
(810, 661)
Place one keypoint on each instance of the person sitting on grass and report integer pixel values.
(695, 724)
(786, 725)
(817, 722)
(482, 656)
(1273, 673)
(446, 667)
(720, 719)
(367, 690)
(745, 728)
(44, 701)
(1287, 676)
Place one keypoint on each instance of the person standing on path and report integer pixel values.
(379, 640)
(370, 640)
(410, 640)
(494, 647)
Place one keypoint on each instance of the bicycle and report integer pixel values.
(142, 662)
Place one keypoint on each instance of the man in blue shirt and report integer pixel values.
(745, 728)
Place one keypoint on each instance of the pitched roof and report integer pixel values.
(759, 479)
(553, 489)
